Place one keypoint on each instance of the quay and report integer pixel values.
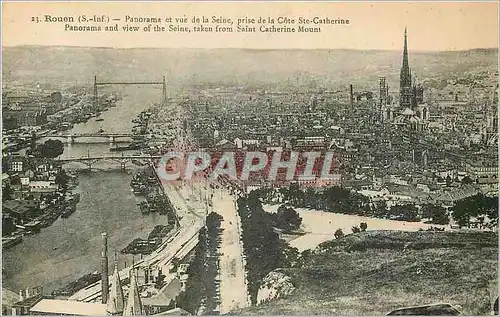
(191, 220)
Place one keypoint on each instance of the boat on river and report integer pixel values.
(133, 146)
(68, 211)
(33, 226)
(144, 206)
(9, 242)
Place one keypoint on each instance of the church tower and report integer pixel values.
(405, 87)
(116, 301)
(134, 303)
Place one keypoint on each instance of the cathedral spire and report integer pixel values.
(116, 301)
(405, 69)
(405, 77)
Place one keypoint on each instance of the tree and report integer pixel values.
(62, 179)
(463, 210)
(475, 206)
(287, 218)
(338, 234)
(467, 180)
(6, 192)
(436, 214)
(50, 149)
(380, 209)
(355, 229)
(406, 212)
(363, 226)
(15, 180)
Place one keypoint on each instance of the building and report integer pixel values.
(27, 300)
(405, 87)
(67, 308)
(16, 163)
(43, 187)
(134, 302)
(116, 301)
(383, 92)
(410, 94)
(30, 116)
(480, 170)
(164, 300)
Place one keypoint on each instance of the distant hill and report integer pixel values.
(369, 273)
(329, 68)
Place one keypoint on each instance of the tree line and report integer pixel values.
(264, 249)
(339, 200)
(202, 285)
(478, 207)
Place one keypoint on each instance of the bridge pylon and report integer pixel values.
(89, 165)
(164, 92)
(96, 100)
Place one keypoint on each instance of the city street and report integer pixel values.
(233, 288)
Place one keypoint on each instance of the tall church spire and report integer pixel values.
(134, 303)
(405, 53)
(116, 301)
(405, 87)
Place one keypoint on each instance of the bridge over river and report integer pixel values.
(71, 137)
(122, 159)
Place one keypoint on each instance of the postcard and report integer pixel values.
(249, 158)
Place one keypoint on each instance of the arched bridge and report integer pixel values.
(71, 137)
(122, 159)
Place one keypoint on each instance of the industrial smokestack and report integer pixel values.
(351, 95)
(104, 268)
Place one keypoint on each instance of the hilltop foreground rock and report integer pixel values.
(377, 272)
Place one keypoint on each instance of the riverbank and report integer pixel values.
(71, 247)
(80, 109)
(40, 209)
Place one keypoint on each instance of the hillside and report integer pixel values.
(67, 66)
(369, 273)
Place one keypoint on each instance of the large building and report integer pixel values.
(405, 88)
(411, 112)
(410, 95)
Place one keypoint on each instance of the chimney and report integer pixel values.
(351, 95)
(21, 295)
(28, 292)
(104, 268)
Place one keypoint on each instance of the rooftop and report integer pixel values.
(66, 307)
(174, 312)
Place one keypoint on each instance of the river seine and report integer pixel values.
(71, 247)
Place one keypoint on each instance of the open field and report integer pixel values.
(459, 268)
(320, 226)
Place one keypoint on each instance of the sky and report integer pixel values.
(432, 26)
